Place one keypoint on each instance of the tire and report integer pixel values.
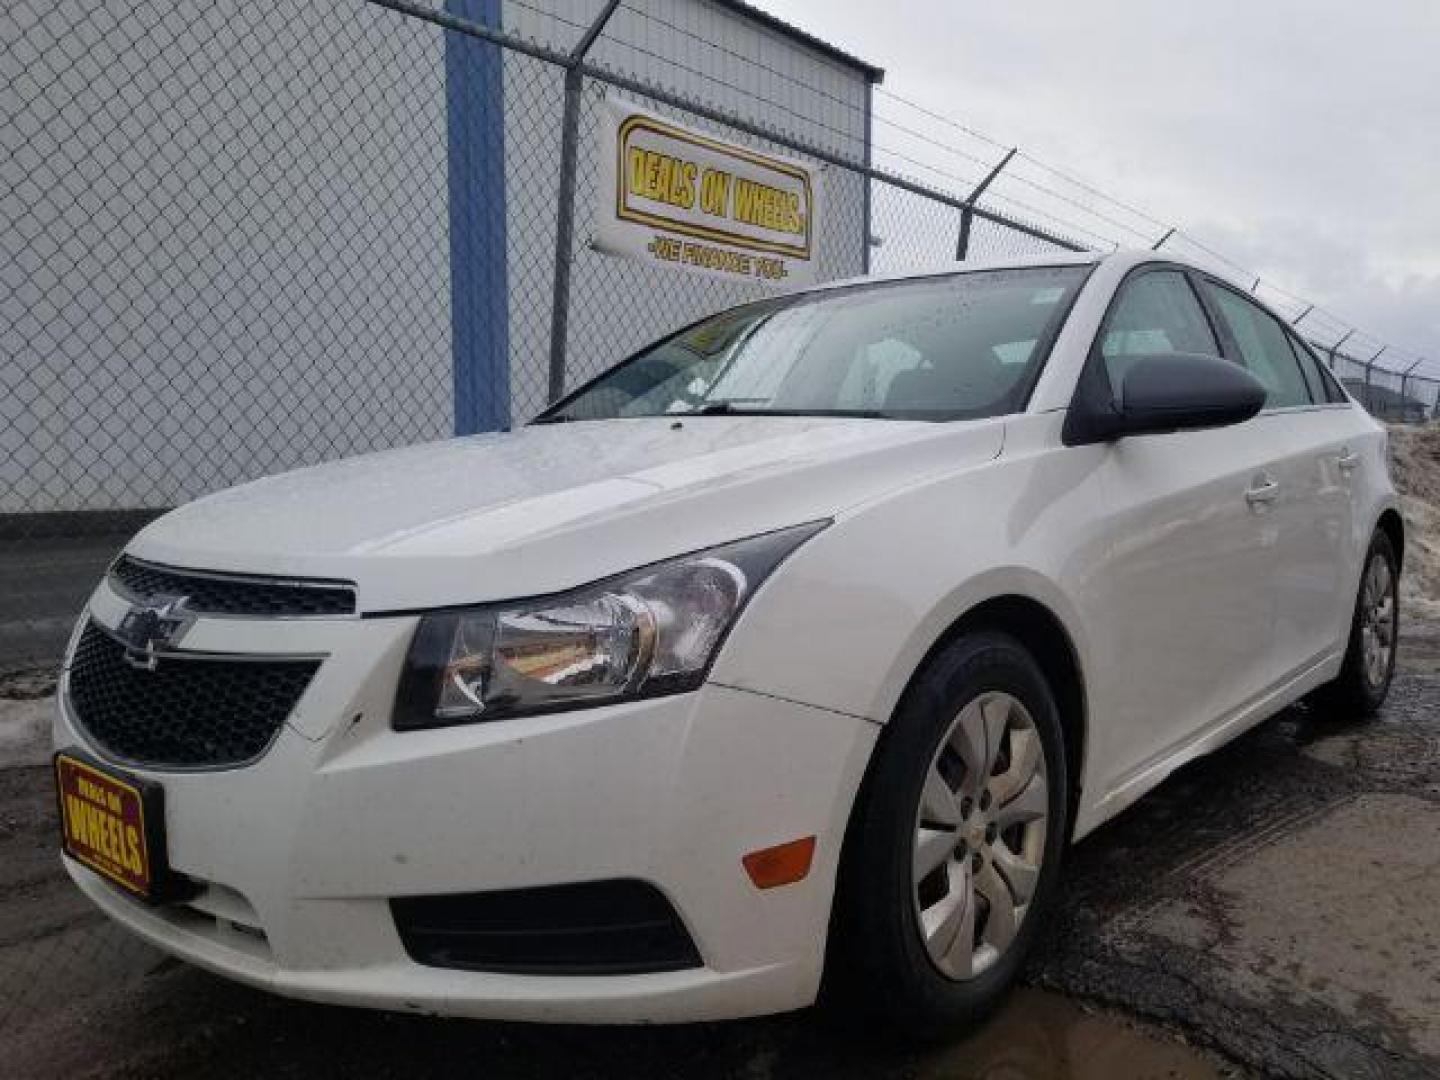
(1363, 683)
(888, 960)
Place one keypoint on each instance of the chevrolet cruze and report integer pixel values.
(793, 649)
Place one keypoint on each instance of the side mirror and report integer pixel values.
(1163, 393)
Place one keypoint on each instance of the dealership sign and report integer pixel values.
(676, 197)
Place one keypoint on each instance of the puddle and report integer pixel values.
(1043, 1036)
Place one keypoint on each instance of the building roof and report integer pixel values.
(794, 33)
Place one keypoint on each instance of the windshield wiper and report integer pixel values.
(728, 408)
(724, 408)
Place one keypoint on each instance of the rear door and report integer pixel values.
(1345, 435)
(1312, 464)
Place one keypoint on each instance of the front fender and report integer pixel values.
(848, 618)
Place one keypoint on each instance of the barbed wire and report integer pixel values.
(783, 76)
(961, 184)
(1164, 230)
(948, 121)
(780, 106)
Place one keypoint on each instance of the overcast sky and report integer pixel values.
(1300, 137)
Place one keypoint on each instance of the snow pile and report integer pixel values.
(1415, 468)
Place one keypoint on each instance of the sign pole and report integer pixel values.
(565, 220)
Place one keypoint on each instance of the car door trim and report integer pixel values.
(1144, 777)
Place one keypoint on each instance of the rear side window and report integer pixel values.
(1156, 312)
(1264, 348)
(1323, 385)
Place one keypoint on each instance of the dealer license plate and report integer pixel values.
(114, 824)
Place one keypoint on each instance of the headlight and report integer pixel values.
(652, 631)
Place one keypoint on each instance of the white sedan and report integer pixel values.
(793, 648)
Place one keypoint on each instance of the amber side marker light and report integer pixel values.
(783, 864)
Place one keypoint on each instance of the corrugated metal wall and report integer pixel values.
(226, 232)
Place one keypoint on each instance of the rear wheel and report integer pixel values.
(954, 856)
(1364, 679)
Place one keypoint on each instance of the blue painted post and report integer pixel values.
(479, 311)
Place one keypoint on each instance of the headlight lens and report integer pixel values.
(652, 631)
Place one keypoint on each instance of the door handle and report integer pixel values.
(1263, 492)
(1348, 461)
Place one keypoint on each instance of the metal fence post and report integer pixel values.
(967, 212)
(1369, 367)
(1404, 393)
(565, 213)
(1336, 347)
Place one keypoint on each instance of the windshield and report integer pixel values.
(944, 348)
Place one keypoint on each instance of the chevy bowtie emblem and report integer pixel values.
(151, 627)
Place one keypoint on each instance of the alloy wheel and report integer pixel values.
(1377, 620)
(980, 835)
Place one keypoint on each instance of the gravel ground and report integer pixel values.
(1415, 467)
(1280, 900)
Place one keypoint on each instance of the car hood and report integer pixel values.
(549, 507)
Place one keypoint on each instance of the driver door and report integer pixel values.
(1185, 587)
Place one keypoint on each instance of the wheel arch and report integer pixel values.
(1045, 636)
(1393, 526)
(1037, 627)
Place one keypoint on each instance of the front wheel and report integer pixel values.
(1364, 679)
(955, 853)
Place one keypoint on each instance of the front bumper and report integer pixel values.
(301, 852)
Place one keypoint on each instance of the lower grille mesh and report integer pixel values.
(613, 927)
(187, 713)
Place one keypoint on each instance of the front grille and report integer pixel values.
(216, 593)
(617, 927)
(187, 713)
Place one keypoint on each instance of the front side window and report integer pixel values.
(1264, 348)
(954, 347)
(1156, 312)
